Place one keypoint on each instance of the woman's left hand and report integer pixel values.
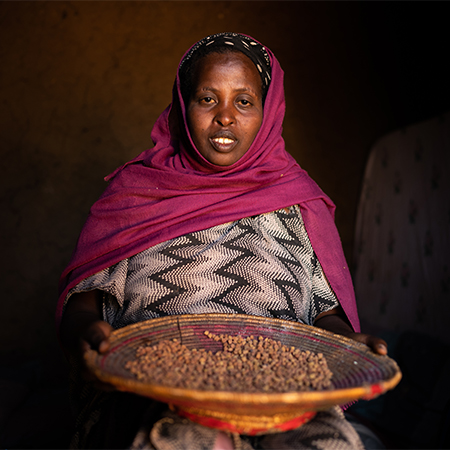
(377, 344)
(336, 322)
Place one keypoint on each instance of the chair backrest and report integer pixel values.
(402, 242)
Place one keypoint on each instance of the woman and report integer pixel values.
(216, 217)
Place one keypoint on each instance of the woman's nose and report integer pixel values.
(225, 115)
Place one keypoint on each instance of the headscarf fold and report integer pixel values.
(170, 190)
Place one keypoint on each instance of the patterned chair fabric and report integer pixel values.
(402, 242)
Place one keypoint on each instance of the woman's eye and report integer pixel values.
(207, 100)
(244, 102)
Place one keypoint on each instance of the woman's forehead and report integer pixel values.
(220, 59)
(230, 66)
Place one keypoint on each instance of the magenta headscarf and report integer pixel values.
(171, 190)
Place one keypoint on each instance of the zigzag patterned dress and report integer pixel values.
(262, 265)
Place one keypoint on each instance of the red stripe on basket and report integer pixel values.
(375, 391)
(211, 422)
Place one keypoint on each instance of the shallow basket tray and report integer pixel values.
(358, 373)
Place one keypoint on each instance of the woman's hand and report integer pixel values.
(336, 322)
(377, 344)
(96, 337)
(82, 328)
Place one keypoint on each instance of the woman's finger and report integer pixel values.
(377, 344)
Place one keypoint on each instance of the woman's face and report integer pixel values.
(225, 110)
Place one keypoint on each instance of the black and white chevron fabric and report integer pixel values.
(262, 265)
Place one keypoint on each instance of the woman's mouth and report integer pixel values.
(223, 143)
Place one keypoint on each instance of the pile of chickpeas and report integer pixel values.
(246, 364)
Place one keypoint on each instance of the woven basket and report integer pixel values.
(358, 373)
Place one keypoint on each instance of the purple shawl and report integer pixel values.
(171, 190)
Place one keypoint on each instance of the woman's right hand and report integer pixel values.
(95, 337)
(82, 328)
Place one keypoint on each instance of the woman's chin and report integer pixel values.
(222, 158)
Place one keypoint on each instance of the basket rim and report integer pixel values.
(174, 395)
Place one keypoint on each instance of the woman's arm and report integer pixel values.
(336, 322)
(82, 327)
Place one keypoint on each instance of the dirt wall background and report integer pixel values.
(83, 82)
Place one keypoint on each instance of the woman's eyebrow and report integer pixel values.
(240, 89)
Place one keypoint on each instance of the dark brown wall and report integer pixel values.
(83, 82)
